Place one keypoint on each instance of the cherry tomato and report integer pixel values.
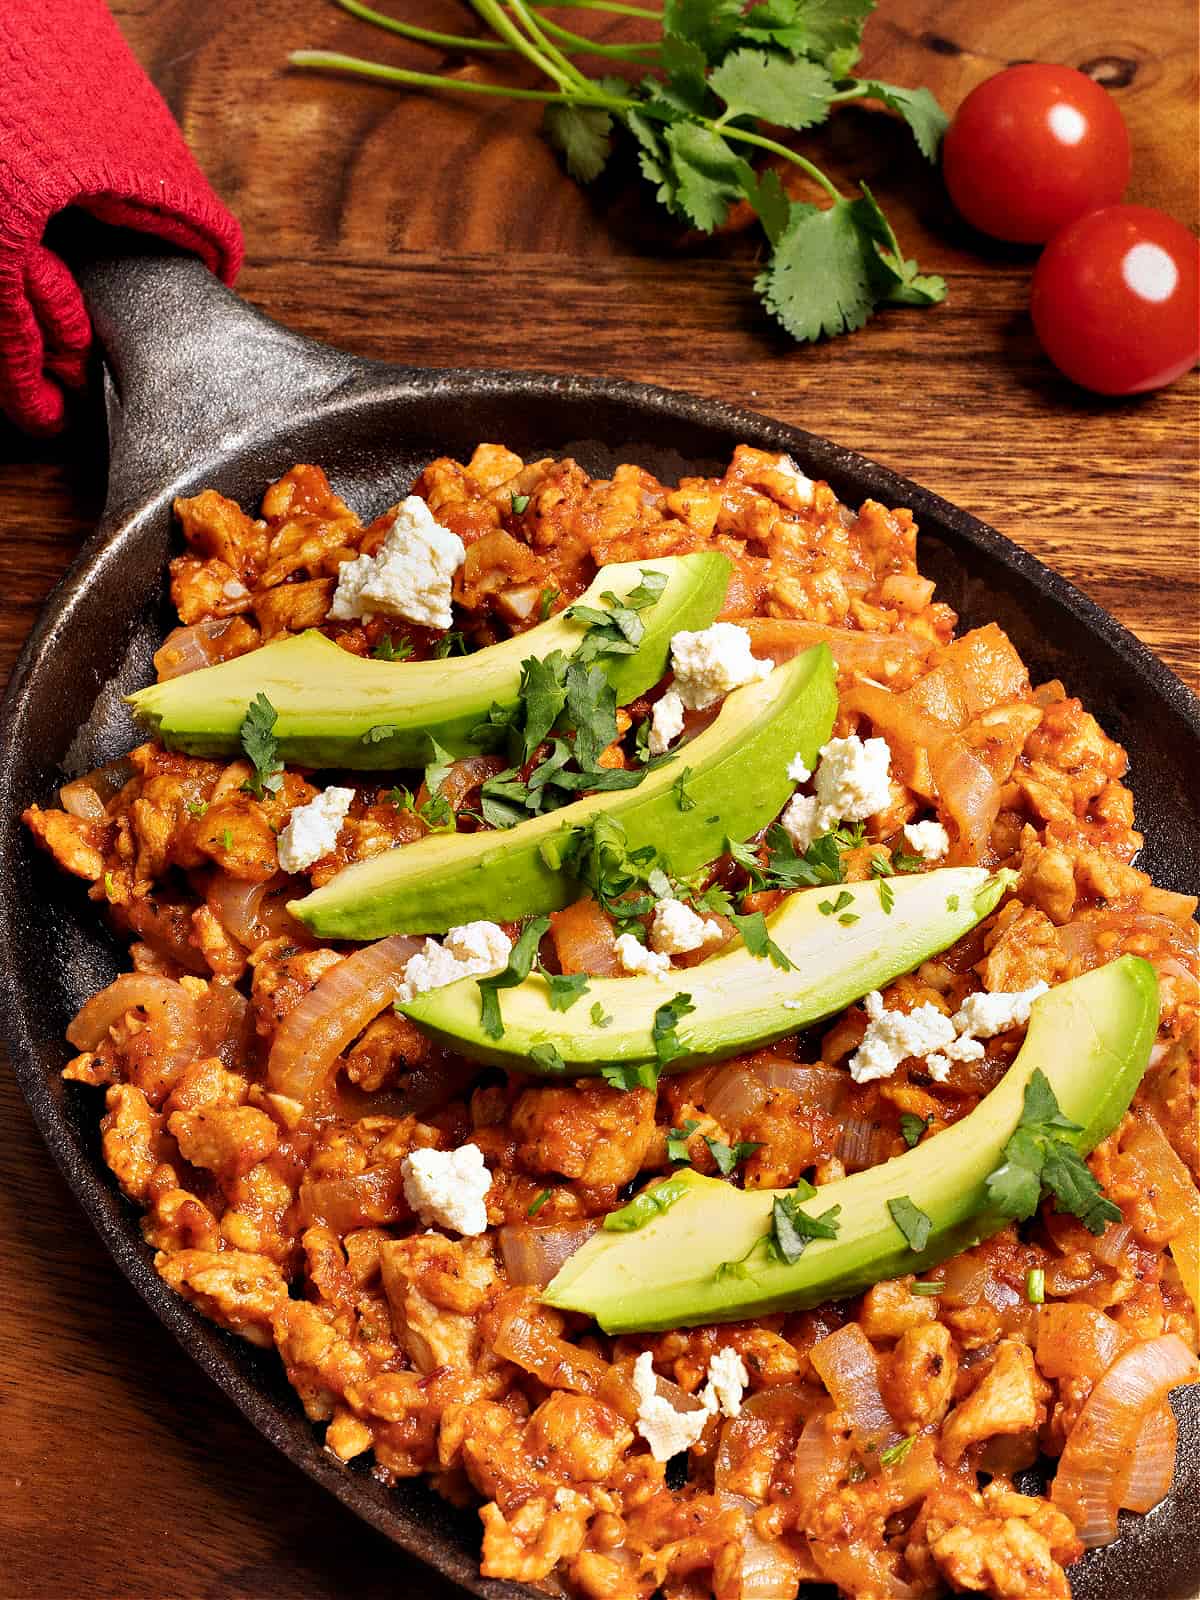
(1032, 149)
(1116, 300)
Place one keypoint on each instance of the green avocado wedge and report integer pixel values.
(736, 782)
(1091, 1037)
(841, 943)
(327, 701)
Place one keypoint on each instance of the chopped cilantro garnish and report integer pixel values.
(438, 814)
(677, 1139)
(110, 886)
(666, 1019)
(378, 733)
(895, 1453)
(520, 964)
(683, 799)
(1040, 1156)
(912, 1127)
(565, 988)
(792, 1229)
(933, 1287)
(880, 866)
(747, 858)
(538, 1201)
(911, 1220)
(452, 643)
(261, 748)
(830, 908)
(600, 1017)
(385, 650)
(848, 919)
(227, 838)
(520, 504)
(644, 1207)
(887, 895)
(401, 798)
(196, 808)
(951, 902)
(631, 1077)
(903, 862)
(727, 1156)
(1035, 1286)
(546, 602)
(753, 929)
(548, 1057)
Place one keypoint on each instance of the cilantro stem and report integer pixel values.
(543, 42)
(410, 30)
(500, 22)
(421, 80)
(581, 45)
(778, 149)
(615, 7)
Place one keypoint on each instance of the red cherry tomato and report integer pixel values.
(1116, 300)
(1032, 149)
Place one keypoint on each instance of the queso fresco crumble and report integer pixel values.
(322, 1177)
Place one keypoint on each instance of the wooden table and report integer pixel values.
(444, 232)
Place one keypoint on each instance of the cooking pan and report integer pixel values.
(201, 390)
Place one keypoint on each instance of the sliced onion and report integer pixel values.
(522, 1337)
(334, 1012)
(817, 1087)
(770, 1569)
(872, 655)
(168, 1006)
(534, 1255)
(1087, 1486)
(1176, 1198)
(847, 1365)
(465, 776)
(863, 1143)
(734, 1095)
(88, 796)
(254, 912)
(967, 794)
(1152, 1470)
(369, 1199)
(189, 649)
(1110, 1247)
(585, 939)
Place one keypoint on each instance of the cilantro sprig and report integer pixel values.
(721, 73)
(261, 748)
(1041, 1156)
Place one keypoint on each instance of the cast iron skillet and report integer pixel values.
(201, 390)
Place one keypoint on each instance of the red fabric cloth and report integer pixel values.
(81, 125)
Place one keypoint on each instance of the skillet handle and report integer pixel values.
(191, 369)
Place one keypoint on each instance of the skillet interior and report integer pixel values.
(372, 435)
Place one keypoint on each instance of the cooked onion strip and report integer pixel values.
(847, 1365)
(533, 1255)
(334, 1013)
(169, 1008)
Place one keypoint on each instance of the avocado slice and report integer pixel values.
(1091, 1037)
(741, 1001)
(328, 700)
(737, 781)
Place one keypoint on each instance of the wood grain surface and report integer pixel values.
(443, 232)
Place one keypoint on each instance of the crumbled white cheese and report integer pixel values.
(677, 929)
(802, 487)
(312, 830)
(799, 821)
(408, 577)
(852, 780)
(664, 1429)
(798, 770)
(893, 1036)
(635, 958)
(929, 840)
(666, 723)
(448, 1188)
(984, 1015)
(712, 662)
(467, 951)
(727, 1378)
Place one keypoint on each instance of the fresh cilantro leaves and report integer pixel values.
(600, 1017)
(677, 1139)
(386, 650)
(792, 1229)
(911, 1220)
(912, 1128)
(724, 75)
(565, 988)
(684, 800)
(538, 1201)
(520, 964)
(452, 643)
(666, 1020)
(626, 1077)
(895, 1453)
(728, 1157)
(261, 748)
(753, 929)
(1041, 1155)
(548, 1057)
